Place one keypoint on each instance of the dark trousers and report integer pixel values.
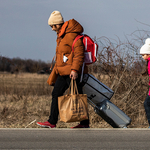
(61, 85)
(147, 108)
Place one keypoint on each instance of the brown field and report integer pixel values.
(26, 98)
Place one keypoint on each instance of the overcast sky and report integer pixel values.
(24, 31)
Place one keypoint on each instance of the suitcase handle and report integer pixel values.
(92, 104)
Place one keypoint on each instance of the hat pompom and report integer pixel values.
(147, 41)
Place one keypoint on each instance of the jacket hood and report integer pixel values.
(71, 26)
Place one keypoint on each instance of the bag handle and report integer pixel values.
(74, 88)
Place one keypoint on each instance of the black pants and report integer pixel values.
(61, 85)
(147, 108)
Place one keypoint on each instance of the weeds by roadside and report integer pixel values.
(19, 109)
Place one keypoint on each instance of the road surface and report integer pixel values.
(75, 139)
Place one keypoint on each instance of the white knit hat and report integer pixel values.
(55, 18)
(145, 49)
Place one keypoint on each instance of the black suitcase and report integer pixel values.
(111, 114)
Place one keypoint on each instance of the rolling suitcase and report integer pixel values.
(95, 90)
(111, 114)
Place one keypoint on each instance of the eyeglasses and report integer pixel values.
(53, 25)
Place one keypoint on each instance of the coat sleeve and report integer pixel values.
(52, 77)
(78, 56)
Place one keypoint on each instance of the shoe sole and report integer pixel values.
(44, 126)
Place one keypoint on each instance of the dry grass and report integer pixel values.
(26, 98)
(130, 93)
(24, 84)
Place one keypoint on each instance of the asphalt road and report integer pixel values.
(75, 139)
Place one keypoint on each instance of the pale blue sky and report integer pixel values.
(24, 31)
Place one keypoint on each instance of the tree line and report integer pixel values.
(23, 65)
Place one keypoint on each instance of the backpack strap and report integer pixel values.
(76, 39)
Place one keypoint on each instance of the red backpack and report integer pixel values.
(91, 48)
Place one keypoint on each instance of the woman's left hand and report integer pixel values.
(73, 75)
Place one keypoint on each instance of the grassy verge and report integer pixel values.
(26, 98)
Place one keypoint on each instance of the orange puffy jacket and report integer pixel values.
(65, 38)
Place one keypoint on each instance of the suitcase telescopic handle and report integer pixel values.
(92, 104)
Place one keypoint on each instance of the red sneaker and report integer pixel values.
(46, 124)
(81, 126)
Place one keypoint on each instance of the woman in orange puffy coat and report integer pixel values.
(68, 64)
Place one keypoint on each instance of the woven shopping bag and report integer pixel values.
(73, 106)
